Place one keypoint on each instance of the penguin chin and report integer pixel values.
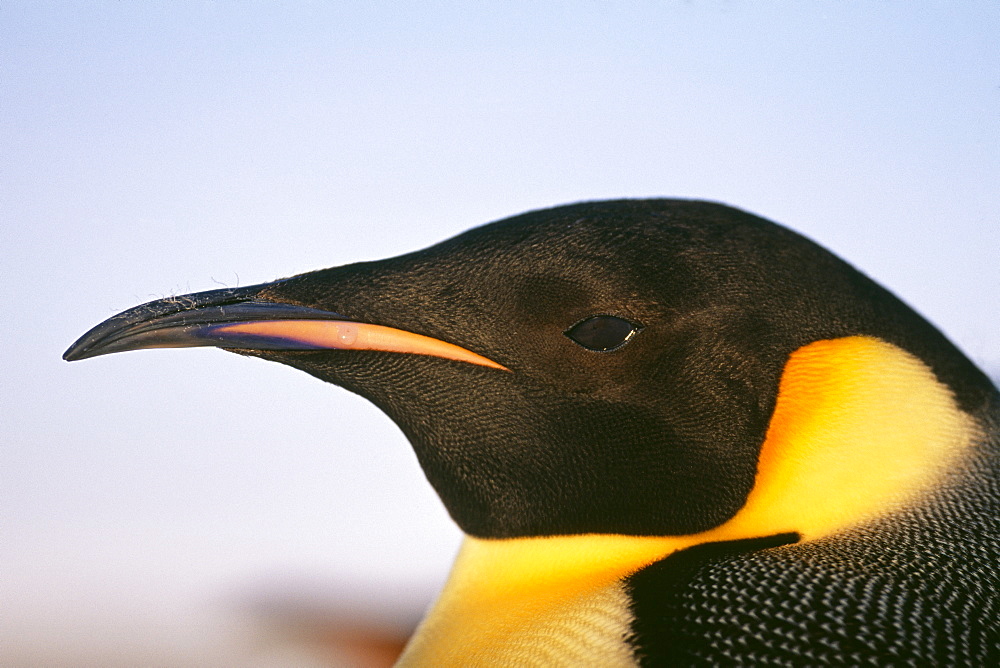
(500, 465)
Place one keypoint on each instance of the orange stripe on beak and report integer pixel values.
(346, 335)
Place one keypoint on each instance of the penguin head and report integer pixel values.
(607, 367)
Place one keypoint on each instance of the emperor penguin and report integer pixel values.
(672, 432)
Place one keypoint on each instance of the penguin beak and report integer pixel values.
(238, 319)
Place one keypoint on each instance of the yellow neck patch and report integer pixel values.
(860, 429)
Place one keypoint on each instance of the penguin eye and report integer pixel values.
(602, 333)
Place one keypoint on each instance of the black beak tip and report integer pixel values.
(88, 345)
(186, 321)
(102, 339)
(77, 351)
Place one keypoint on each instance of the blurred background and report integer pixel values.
(193, 508)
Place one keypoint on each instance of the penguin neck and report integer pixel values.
(860, 430)
(555, 600)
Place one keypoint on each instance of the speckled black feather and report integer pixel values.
(917, 588)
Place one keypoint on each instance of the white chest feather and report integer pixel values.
(589, 629)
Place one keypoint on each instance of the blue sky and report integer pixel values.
(151, 149)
